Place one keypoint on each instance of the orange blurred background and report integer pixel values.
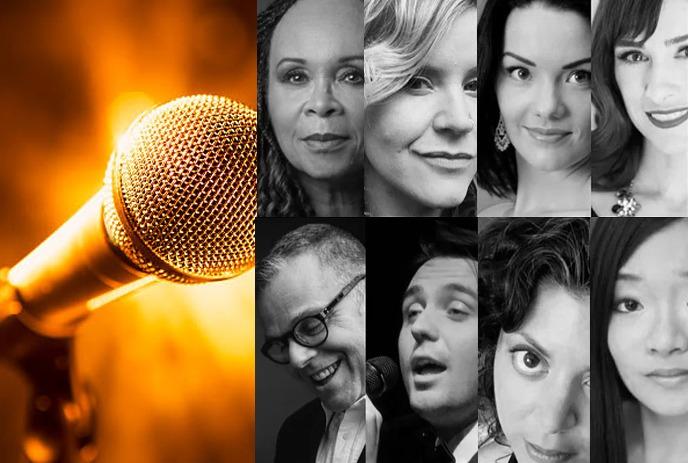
(170, 366)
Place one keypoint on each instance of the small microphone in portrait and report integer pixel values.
(382, 374)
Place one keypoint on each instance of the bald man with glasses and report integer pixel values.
(310, 297)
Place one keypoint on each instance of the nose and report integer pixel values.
(322, 101)
(664, 81)
(549, 103)
(453, 115)
(299, 355)
(558, 409)
(424, 327)
(668, 334)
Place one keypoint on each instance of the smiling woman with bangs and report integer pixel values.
(640, 88)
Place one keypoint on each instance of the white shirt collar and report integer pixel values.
(468, 446)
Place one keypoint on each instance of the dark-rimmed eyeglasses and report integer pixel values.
(310, 331)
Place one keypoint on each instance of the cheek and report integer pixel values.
(630, 86)
(405, 346)
(621, 340)
(392, 127)
(352, 101)
(510, 395)
(512, 101)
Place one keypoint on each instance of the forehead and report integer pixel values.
(443, 270)
(671, 23)
(461, 36)
(303, 286)
(546, 35)
(663, 256)
(319, 30)
(559, 321)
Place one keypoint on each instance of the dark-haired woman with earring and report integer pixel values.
(534, 107)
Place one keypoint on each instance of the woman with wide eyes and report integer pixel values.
(534, 79)
(310, 108)
(421, 99)
(640, 88)
(534, 378)
(640, 340)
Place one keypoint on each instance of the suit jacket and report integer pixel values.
(299, 437)
(410, 439)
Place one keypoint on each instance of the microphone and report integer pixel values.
(382, 374)
(178, 204)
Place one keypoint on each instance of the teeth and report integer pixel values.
(669, 116)
(324, 373)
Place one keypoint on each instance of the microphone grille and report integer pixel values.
(180, 190)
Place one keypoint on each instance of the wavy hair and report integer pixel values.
(497, 170)
(517, 257)
(399, 36)
(612, 243)
(616, 144)
(279, 193)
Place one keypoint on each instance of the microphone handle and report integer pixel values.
(73, 265)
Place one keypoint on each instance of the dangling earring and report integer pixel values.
(501, 138)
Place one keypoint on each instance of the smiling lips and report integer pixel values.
(547, 135)
(446, 160)
(543, 455)
(668, 119)
(323, 376)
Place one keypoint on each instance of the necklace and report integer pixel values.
(626, 204)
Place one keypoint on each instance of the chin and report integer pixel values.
(444, 196)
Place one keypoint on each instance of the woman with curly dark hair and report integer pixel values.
(310, 108)
(640, 89)
(534, 378)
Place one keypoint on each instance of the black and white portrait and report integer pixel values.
(640, 340)
(310, 108)
(421, 100)
(310, 336)
(640, 90)
(534, 108)
(535, 378)
(423, 316)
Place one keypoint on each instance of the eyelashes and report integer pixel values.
(350, 76)
(627, 305)
(527, 362)
(421, 85)
(521, 74)
(637, 56)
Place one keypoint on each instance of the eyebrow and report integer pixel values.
(461, 288)
(576, 63)
(530, 63)
(520, 58)
(641, 43)
(628, 277)
(676, 40)
(535, 344)
(416, 290)
(343, 59)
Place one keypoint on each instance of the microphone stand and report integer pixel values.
(60, 425)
